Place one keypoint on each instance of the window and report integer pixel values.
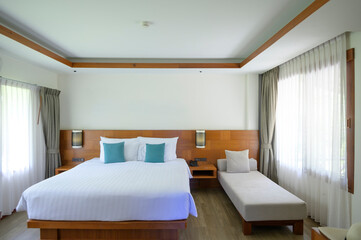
(15, 129)
(22, 147)
(350, 116)
(310, 136)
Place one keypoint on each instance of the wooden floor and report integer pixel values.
(217, 219)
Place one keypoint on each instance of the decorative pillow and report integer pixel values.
(154, 153)
(222, 164)
(237, 161)
(113, 152)
(169, 151)
(131, 146)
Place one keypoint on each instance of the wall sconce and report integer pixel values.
(77, 138)
(200, 138)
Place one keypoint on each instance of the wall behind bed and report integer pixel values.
(161, 103)
(216, 142)
(159, 99)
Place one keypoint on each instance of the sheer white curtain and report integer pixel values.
(22, 147)
(311, 131)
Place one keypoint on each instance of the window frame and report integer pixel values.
(350, 117)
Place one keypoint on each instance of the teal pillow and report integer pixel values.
(113, 152)
(154, 153)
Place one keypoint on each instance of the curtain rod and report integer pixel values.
(31, 84)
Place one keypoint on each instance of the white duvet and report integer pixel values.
(113, 192)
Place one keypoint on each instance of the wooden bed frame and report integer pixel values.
(297, 225)
(108, 230)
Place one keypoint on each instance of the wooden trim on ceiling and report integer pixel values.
(154, 65)
(26, 42)
(313, 7)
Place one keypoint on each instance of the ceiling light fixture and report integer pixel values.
(146, 24)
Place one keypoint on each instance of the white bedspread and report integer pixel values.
(113, 192)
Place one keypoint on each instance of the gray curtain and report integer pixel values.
(267, 122)
(50, 115)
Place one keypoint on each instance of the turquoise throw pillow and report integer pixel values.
(154, 153)
(113, 152)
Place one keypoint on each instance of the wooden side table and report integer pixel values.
(204, 171)
(63, 169)
(204, 176)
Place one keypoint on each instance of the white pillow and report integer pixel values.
(222, 164)
(169, 151)
(237, 161)
(131, 146)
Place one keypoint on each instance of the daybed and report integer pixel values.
(260, 201)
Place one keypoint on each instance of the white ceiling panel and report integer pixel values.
(178, 29)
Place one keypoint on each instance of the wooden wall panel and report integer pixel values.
(216, 142)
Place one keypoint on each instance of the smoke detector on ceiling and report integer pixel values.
(146, 23)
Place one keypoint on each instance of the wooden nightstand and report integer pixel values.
(204, 171)
(204, 176)
(63, 169)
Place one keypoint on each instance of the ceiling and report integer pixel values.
(181, 31)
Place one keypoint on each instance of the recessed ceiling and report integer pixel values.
(209, 30)
(180, 29)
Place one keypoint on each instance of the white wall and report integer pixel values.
(160, 100)
(355, 42)
(23, 71)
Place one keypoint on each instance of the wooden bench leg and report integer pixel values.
(298, 227)
(246, 227)
(48, 234)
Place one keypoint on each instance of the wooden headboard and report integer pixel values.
(216, 142)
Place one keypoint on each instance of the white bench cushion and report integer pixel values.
(257, 198)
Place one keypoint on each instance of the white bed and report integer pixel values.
(94, 191)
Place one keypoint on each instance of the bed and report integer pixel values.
(96, 200)
(260, 201)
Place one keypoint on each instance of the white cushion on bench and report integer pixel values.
(257, 198)
(222, 164)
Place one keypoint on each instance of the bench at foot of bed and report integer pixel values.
(297, 225)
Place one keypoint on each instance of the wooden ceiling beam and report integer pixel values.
(26, 42)
(154, 65)
(313, 7)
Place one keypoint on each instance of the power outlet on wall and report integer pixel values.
(77, 160)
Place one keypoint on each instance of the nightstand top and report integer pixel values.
(66, 167)
(206, 166)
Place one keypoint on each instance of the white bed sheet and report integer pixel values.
(113, 192)
(257, 198)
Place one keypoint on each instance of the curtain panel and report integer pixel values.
(311, 131)
(269, 85)
(22, 145)
(50, 114)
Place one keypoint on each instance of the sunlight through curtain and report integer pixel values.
(311, 131)
(22, 147)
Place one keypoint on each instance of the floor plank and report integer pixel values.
(217, 219)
